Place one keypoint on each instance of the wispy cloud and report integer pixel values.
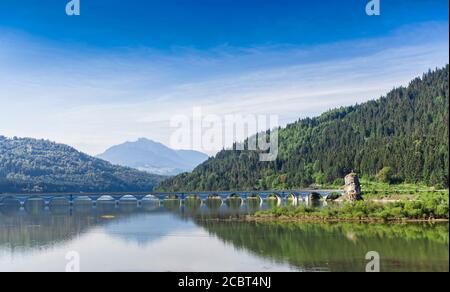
(92, 99)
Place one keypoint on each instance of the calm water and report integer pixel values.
(167, 237)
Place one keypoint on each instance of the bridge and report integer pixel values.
(295, 197)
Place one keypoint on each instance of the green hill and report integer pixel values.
(406, 131)
(29, 165)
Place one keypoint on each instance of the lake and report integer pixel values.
(188, 238)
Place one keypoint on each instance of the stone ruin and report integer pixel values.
(352, 189)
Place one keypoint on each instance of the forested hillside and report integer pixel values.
(29, 165)
(407, 132)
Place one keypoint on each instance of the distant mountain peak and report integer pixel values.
(153, 157)
(145, 140)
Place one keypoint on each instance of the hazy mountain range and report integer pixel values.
(153, 157)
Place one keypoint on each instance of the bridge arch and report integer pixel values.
(214, 197)
(193, 197)
(58, 201)
(9, 205)
(291, 199)
(214, 201)
(234, 200)
(34, 199)
(193, 201)
(150, 202)
(150, 198)
(172, 197)
(82, 200)
(34, 205)
(106, 203)
(10, 201)
(315, 199)
(255, 197)
(274, 198)
(106, 198)
(128, 199)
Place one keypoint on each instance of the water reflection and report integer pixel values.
(214, 204)
(166, 236)
(340, 247)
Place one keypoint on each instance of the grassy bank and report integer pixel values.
(427, 206)
(378, 190)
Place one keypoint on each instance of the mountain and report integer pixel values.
(30, 165)
(153, 157)
(406, 131)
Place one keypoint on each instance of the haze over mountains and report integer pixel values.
(153, 157)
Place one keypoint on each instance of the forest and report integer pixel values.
(402, 137)
(30, 165)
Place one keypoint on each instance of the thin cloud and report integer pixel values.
(92, 99)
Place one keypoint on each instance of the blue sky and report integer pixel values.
(123, 68)
(205, 24)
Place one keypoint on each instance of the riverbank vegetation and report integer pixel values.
(429, 206)
(377, 190)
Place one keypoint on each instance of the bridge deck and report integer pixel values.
(72, 197)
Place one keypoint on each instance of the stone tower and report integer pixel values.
(352, 189)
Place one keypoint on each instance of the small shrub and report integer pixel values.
(385, 175)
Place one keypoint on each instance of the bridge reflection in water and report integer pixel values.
(171, 201)
(153, 233)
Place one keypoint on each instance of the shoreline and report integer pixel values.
(287, 219)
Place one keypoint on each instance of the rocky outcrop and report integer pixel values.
(352, 189)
